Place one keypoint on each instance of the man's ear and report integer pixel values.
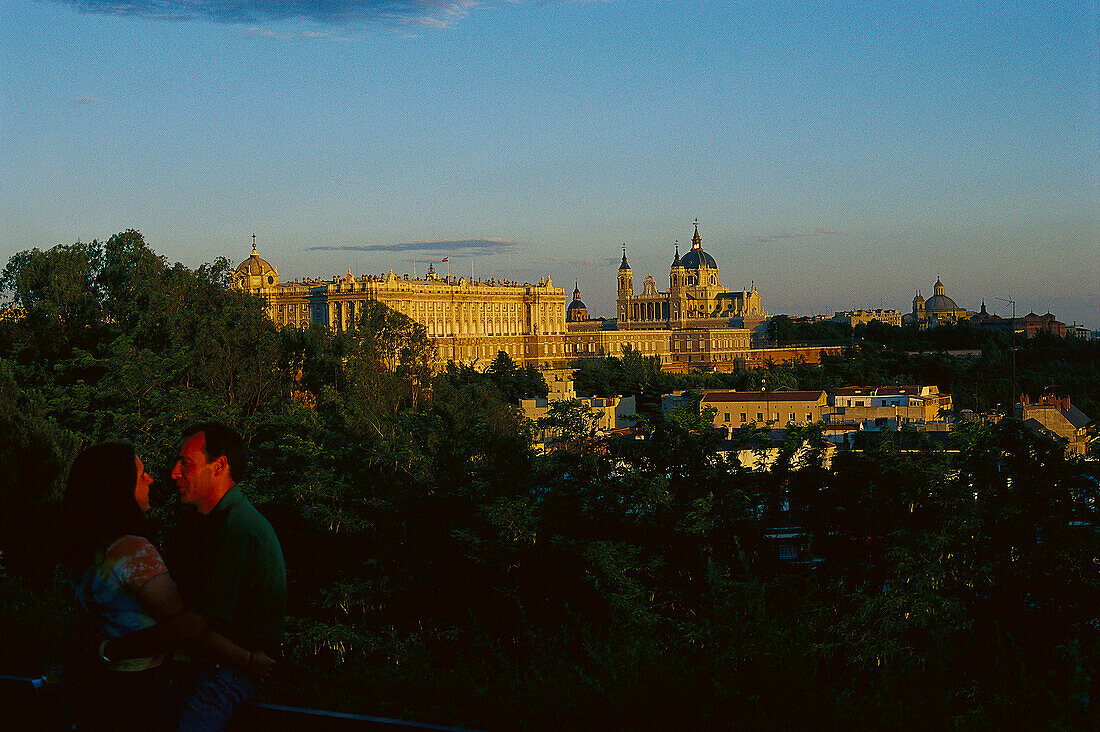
(221, 464)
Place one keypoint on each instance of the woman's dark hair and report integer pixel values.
(99, 502)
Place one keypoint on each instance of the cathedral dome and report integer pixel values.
(697, 258)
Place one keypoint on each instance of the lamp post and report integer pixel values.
(1012, 401)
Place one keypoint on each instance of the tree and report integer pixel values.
(515, 383)
(59, 296)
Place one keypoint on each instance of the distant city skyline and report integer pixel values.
(839, 156)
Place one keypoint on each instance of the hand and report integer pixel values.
(83, 654)
(259, 667)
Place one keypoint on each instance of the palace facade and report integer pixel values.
(467, 320)
(696, 323)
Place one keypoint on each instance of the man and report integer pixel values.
(228, 565)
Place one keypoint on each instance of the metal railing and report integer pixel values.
(44, 704)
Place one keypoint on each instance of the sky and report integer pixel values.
(836, 155)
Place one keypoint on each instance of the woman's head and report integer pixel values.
(101, 499)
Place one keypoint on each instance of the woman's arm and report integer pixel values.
(177, 627)
(174, 627)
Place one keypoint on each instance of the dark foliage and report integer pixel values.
(443, 572)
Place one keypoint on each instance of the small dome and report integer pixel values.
(575, 305)
(255, 272)
(254, 265)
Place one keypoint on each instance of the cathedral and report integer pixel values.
(695, 296)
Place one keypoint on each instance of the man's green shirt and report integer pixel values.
(229, 567)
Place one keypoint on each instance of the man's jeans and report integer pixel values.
(211, 696)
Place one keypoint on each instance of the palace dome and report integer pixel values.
(256, 272)
(576, 310)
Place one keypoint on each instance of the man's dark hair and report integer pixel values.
(222, 440)
(99, 504)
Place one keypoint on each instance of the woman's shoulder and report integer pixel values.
(129, 545)
(135, 560)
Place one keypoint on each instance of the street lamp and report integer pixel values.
(1012, 401)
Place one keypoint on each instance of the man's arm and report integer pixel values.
(174, 627)
(178, 627)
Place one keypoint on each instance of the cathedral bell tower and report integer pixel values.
(626, 287)
(676, 272)
(626, 277)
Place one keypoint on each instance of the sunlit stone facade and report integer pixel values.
(467, 320)
(698, 323)
(859, 317)
(696, 297)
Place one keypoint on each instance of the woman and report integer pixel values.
(122, 585)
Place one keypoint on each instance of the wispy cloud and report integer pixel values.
(443, 247)
(301, 35)
(771, 238)
(84, 101)
(433, 13)
(788, 236)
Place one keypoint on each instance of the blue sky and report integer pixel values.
(839, 155)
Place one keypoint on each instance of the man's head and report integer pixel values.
(211, 459)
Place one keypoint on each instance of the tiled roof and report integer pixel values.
(1076, 417)
(759, 396)
(878, 390)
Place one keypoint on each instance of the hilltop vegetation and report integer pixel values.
(441, 571)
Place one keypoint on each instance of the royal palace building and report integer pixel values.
(696, 324)
(467, 320)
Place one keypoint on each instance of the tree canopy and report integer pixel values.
(441, 571)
